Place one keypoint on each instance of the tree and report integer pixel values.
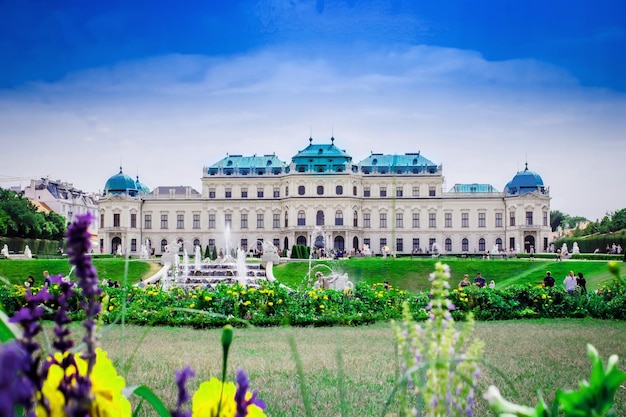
(556, 219)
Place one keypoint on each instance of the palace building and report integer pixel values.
(323, 198)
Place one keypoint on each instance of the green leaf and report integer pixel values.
(146, 393)
(8, 331)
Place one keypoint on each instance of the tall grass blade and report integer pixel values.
(146, 393)
(8, 331)
(304, 392)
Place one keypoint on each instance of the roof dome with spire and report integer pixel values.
(525, 182)
(141, 187)
(121, 184)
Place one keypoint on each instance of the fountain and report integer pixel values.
(197, 260)
(143, 254)
(434, 249)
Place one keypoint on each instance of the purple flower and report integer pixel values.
(16, 389)
(240, 395)
(183, 395)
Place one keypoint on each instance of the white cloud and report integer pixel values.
(165, 118)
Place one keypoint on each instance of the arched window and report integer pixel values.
(301, 218)
(355, 219)
(465, 245)
(196, 242)
(355, 243)
(181, 245)
(339, 243)
(301, 240)
(301, 190)
(481, 244)
(319, 218)
(339, 190)
(286, 219)
(448, 244)
(499, 244)
(163, 245)
(354, 190)
(320, 190)
(338, 218)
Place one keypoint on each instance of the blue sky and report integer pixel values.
(166, 88)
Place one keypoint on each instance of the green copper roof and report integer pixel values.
(121, 184)
(247, 165)
(322, 158)
(473, 188)
(409, 163)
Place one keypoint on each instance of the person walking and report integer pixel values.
(582, 283)
(570, 283)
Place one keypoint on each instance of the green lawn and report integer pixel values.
(534, 355)
(412, 274)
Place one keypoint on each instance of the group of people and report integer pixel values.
(30, 281)
(572, 282)
(479, 281)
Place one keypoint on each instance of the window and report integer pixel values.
(211, 244)
(481, 245)
(529, 218)
(276, 192)
(545, 218)
(211, 221)
(432, 191)
(116, 220)
(228, 193)
(512, 218)
(482, 217)
(228, 220)
(464, 219)
(432, 220)
(399, 192)
(416, 191)
(244, 244)
(259, 221)
(465, 245)
(101, 221)
(383, 220)
(383, 243)
(320, 190)
(511, 243)
(276, 242)
(432, 244)
(276, 221)
(354, 190)
(301, 190)
(286, 219)
(244, 193)
(383, 191)
(416, 220)
(339, 190)
(133, 245)
(366, 221)
(244, 220)
(163, 245)
(133, 220)
(196, 221)
(163, 221)
(319, 218)
(211, 192)
(301, 218)
(498, 219)
(338, 218)
(366, 242)
(399, 244)
(287, 191)
(448, 245)
(499, 244)
(180, 221)
(366, 191)
(355, 219)
(147, 221)
(447, 220)
(259, 192)
(399, 220)
(416, 244)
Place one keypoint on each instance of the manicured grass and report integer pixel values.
(17, 270)
(534, 355)
(411, 274)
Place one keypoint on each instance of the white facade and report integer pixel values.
(63, 199)
(321, 198)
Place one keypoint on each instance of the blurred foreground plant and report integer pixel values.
(82, 381)
(439, 362)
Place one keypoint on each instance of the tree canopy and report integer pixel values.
(20, 218)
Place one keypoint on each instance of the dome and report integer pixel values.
(525, 182)
(121, 184)
(141, 187)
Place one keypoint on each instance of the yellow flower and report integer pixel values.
(280, 301)
(270, 304)
(321, 306)
(106, 388)
(110, 308)
(543, 296)
(247, 303)
(206, 400)
(325, 297)
(207, 298)
(192, 305)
